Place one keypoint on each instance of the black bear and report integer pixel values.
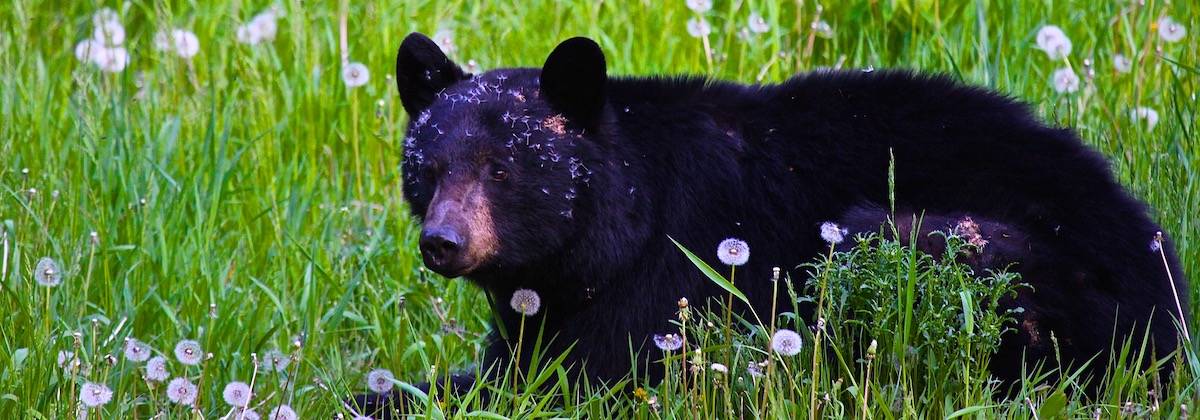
(568, 182)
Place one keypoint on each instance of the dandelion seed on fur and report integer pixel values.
(156, 369)
(786, 342)
(47, 273)
(136, 351)
(92, 394)
(189, 352)
(237, 394)
(668, 342)
(355, 74)
(525, 301)
(733, 252)
(182, 391)
(380, 380)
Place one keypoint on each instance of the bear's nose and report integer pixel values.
(440, 247)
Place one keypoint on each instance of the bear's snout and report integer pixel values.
(440, 246)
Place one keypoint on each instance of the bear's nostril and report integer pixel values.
(440, 246)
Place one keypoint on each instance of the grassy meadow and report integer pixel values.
(233, 185)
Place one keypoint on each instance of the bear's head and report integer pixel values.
(495, 164)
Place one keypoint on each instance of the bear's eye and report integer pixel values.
(499, 175)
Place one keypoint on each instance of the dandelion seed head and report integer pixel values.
(1170, 30)
(1054, 42)
(757, 24)
(189, 352)
(525, 302)
(832, 233)
(247, 414)
(444, 38)
(265, 26)
(111, 60)
(668, 342)
(282, 412)
(1065, 80)
(156, 369)
(786, 342)
(700, 6)
(754, 369)
(136, 351)
(64, 358)
(355, 74)
(110, 34)
(380, 380)
(87, 50)
(182, 391)
(1122, 63)
(185, 43)
(719, 368)
(92, 394)
(823, 29)
(698, 27)
(1147, 114)
(105, 15)
(237, 394)
(733, 252)
(47, 273)
(275, 360)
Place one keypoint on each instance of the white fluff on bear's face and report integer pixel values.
(491, 142)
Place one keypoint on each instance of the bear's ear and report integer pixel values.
(422, 70)
(573, 79)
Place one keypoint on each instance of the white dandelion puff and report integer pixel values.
(137, 351)
(719, 368)
(1122, 63)
(832, 233)
(444, 38)
(182, 391)
(669, 342)
(380, 380)
(355, 74)
(92, 394)
(1065, 80)
(105, 15)
(247, 414)
(699, 6)
(237, 394)
(786, 342)
(757, 24)
(110, 33)
(282, 412)
(47, 273)
(112, 60)
(1054, 42)
(823, 29)
(1170, 30)
(733, 252)
(265, 26)
(189, 352)
(65, 358)
(185, 43)
(247, 35)
(275, 360)
(87, 50)
(156, 369)
(525, 302)
(698, 27)
(1147, 114)
(754, 369)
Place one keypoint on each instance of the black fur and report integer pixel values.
(701, 160)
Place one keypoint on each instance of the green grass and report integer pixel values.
(247, 199)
